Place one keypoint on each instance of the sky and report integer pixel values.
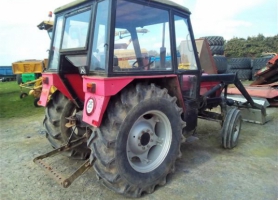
(20, 38)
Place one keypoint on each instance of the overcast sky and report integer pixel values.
(21, 39)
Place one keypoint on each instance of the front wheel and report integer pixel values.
(23, 95)
(139, 140)
(231, 128)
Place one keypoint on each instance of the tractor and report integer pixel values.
(130, 89)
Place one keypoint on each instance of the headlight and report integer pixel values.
(90, 105)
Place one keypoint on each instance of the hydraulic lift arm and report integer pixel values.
(252, 111)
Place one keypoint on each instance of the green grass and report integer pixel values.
(11, 105)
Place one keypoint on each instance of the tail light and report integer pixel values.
(45, 80)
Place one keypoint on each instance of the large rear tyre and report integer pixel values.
(214, 40)
(231, 128)
(139, 140)
(58, 108)
(221, 64)
(240, 63)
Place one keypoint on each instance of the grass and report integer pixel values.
(11, 105)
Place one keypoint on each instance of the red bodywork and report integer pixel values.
(76, 83)
(100, 89)
(104, 89)
(49, 80)
(53, 79)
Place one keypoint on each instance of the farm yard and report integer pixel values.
(123, 99)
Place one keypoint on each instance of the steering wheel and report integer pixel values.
(133, 64)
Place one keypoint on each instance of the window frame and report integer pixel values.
(72, 13)
(51, 55)
(92, 29)
(197, 72)
(176, 13)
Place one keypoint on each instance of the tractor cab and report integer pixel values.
(123, 38)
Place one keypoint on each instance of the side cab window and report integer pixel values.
(185, 55)
(186, 59)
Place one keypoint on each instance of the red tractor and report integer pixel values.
(125, 102)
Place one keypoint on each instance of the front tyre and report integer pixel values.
(231, 128)
(139, 140)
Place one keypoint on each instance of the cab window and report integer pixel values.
(185, 55)
(76, 30)
(142, 39)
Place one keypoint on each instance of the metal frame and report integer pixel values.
(65, 182)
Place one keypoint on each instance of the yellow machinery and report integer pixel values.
(33, 67)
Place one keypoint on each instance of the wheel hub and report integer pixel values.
(149, 141)
(142, 138)
(145, 137)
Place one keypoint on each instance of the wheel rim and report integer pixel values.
(236, 131)
(149, 141)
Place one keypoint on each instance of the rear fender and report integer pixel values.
(49, 80)
(101, 89)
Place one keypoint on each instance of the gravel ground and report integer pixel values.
(205, 171)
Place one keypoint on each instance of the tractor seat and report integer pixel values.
(116, 64)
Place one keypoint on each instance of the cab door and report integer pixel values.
(188, 68)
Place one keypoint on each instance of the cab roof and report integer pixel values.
(164, 2)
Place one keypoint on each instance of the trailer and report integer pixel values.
(6, 74)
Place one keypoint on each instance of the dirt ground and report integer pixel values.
(205, 171)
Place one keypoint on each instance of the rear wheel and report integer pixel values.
(139, 140)
(231, 128)
(58, 108)
(36, 100)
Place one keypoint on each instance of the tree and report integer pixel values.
(251, 47)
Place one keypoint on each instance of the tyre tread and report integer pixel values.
(103, 149)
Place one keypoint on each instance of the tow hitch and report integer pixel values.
(65, 182)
